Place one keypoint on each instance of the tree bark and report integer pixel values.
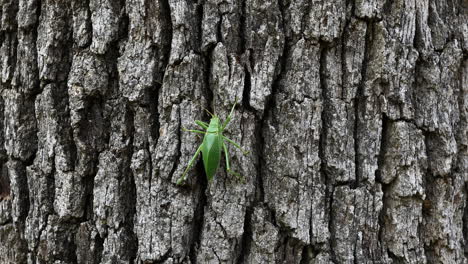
(355, 114)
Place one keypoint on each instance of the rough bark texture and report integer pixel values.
(355, 113)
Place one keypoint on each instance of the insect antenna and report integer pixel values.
(211, 114)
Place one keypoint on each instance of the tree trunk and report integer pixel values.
(355, 114)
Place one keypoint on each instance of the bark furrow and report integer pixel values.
(355, 114)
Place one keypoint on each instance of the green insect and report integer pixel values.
(213, 143)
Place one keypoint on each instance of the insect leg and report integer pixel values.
(202, 124)
(236, 145)
(228, 119)
(194, 131)
(228, 167)
(184, 175)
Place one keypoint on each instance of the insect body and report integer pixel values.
(213, 144)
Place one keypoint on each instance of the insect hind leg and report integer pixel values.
(228, 167)
(184, 175)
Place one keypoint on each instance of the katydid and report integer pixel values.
(213, 143)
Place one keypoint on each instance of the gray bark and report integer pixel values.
(355, 114)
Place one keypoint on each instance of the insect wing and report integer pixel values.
(211, 152)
